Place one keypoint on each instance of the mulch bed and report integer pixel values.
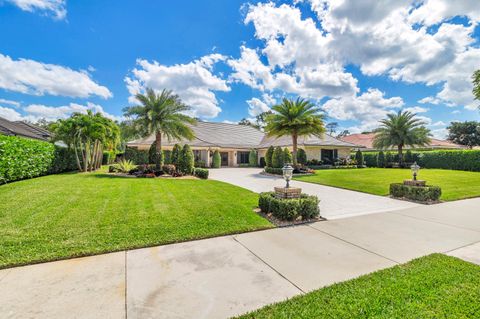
(287, 223)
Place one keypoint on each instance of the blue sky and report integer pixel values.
(233, 59)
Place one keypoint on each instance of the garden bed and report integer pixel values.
(287, 223)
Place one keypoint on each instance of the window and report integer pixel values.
(197, 155)
(242, 157)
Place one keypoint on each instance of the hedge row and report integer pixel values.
(22, 158)
(417, 193)
(289, 209)
(464, 160)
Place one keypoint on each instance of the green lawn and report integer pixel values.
(455, 184)
(436, 286)
(68, 215)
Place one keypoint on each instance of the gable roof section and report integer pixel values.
(23, 129)
(366, 140)
(225, 135)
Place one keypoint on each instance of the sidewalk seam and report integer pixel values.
(466, 245)
(263, 261)
(125, 295)
(358, 246)
(437, 222)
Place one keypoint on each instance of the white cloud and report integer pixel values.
(54, 7)
(34, 112)
(438, 123)
(10, 114)
(367, 108)
(440, 133)
(430, 100)
(194, 82)
(416, 109)
(32, 77)
(256, 106)
(10, 102)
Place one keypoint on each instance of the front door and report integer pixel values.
(224, 156)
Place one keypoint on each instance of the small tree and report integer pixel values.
(268, 156)
(464, 133)
(176, 154)
(359, 158)
(277, 158)
(388, 159)
(216, 160)
(287, 156)
(301, 156)
(252, 158)
(187, 160)
(167, 157)
(381, 159)
(409, 156)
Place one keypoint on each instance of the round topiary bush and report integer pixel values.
(216, 160)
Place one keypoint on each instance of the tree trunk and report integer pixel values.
(400, 155)
(294, 144)
(158, 149)
(85, 153)
(76, 156)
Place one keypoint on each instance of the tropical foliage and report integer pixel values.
(400, 130)
(476, 85)
(88, 135)
(295, 118)
(465, 133)
(161, 114)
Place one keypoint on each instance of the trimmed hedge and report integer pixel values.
(273, 170)
(463, 160)
(22, 158)
(136, 156)
(289, 209)
(201, 173)
(417, 193)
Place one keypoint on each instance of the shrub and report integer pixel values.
(200, 163)
(167, 157)
(359, 158)
(417, 193)
(176, 155)
(381, 159)
(301, 156)
(278, 157)
(22, 158)
(136, 156)
(123, 166)
(287, 156)
(289, 209)
(201, 173)
(169, 169)
(108, 157)
(152, 154)
(273, 170)
(253, 158)
(186, 161)
(466, 160)
(269, 156)
(389, 159)
(409, 157)
(217, 160)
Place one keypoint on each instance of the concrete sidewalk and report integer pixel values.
(230, 275)
(334, 202)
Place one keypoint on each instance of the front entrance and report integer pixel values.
(328, 156)
(224, 156)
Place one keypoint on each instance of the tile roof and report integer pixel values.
(366, 140)
(23, 129)
(225, 135)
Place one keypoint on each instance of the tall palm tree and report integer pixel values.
(400, 130)
(295, 118)
(163, 115)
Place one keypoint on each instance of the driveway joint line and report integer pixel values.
(436, 222)
(466, 245)
(358, 246)
(269, 266)
(125, 295)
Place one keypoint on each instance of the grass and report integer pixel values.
(77, 214)
(435, 286)
(455, 184)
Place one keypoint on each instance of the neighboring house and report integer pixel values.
(234, 143)
(23, 129)
(366, 140)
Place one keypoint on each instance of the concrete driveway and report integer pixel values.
(226, 276)
(334, 202)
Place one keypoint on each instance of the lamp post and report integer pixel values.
(287, 174)
(415, 168)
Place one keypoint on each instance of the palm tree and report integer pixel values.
(163, 115)
(295, 118)
(400, 130)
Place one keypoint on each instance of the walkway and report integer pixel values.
(334, 202)
(230, 275)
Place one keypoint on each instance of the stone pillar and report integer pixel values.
(207, 158)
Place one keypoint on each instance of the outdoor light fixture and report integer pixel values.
(287, 174)
(415, 168)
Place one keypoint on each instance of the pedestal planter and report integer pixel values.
(288, 193)
(423, 194)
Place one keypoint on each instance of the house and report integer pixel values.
(23, 129)
(366, 140)
(234, 143)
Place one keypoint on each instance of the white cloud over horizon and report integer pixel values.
(194, 82)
